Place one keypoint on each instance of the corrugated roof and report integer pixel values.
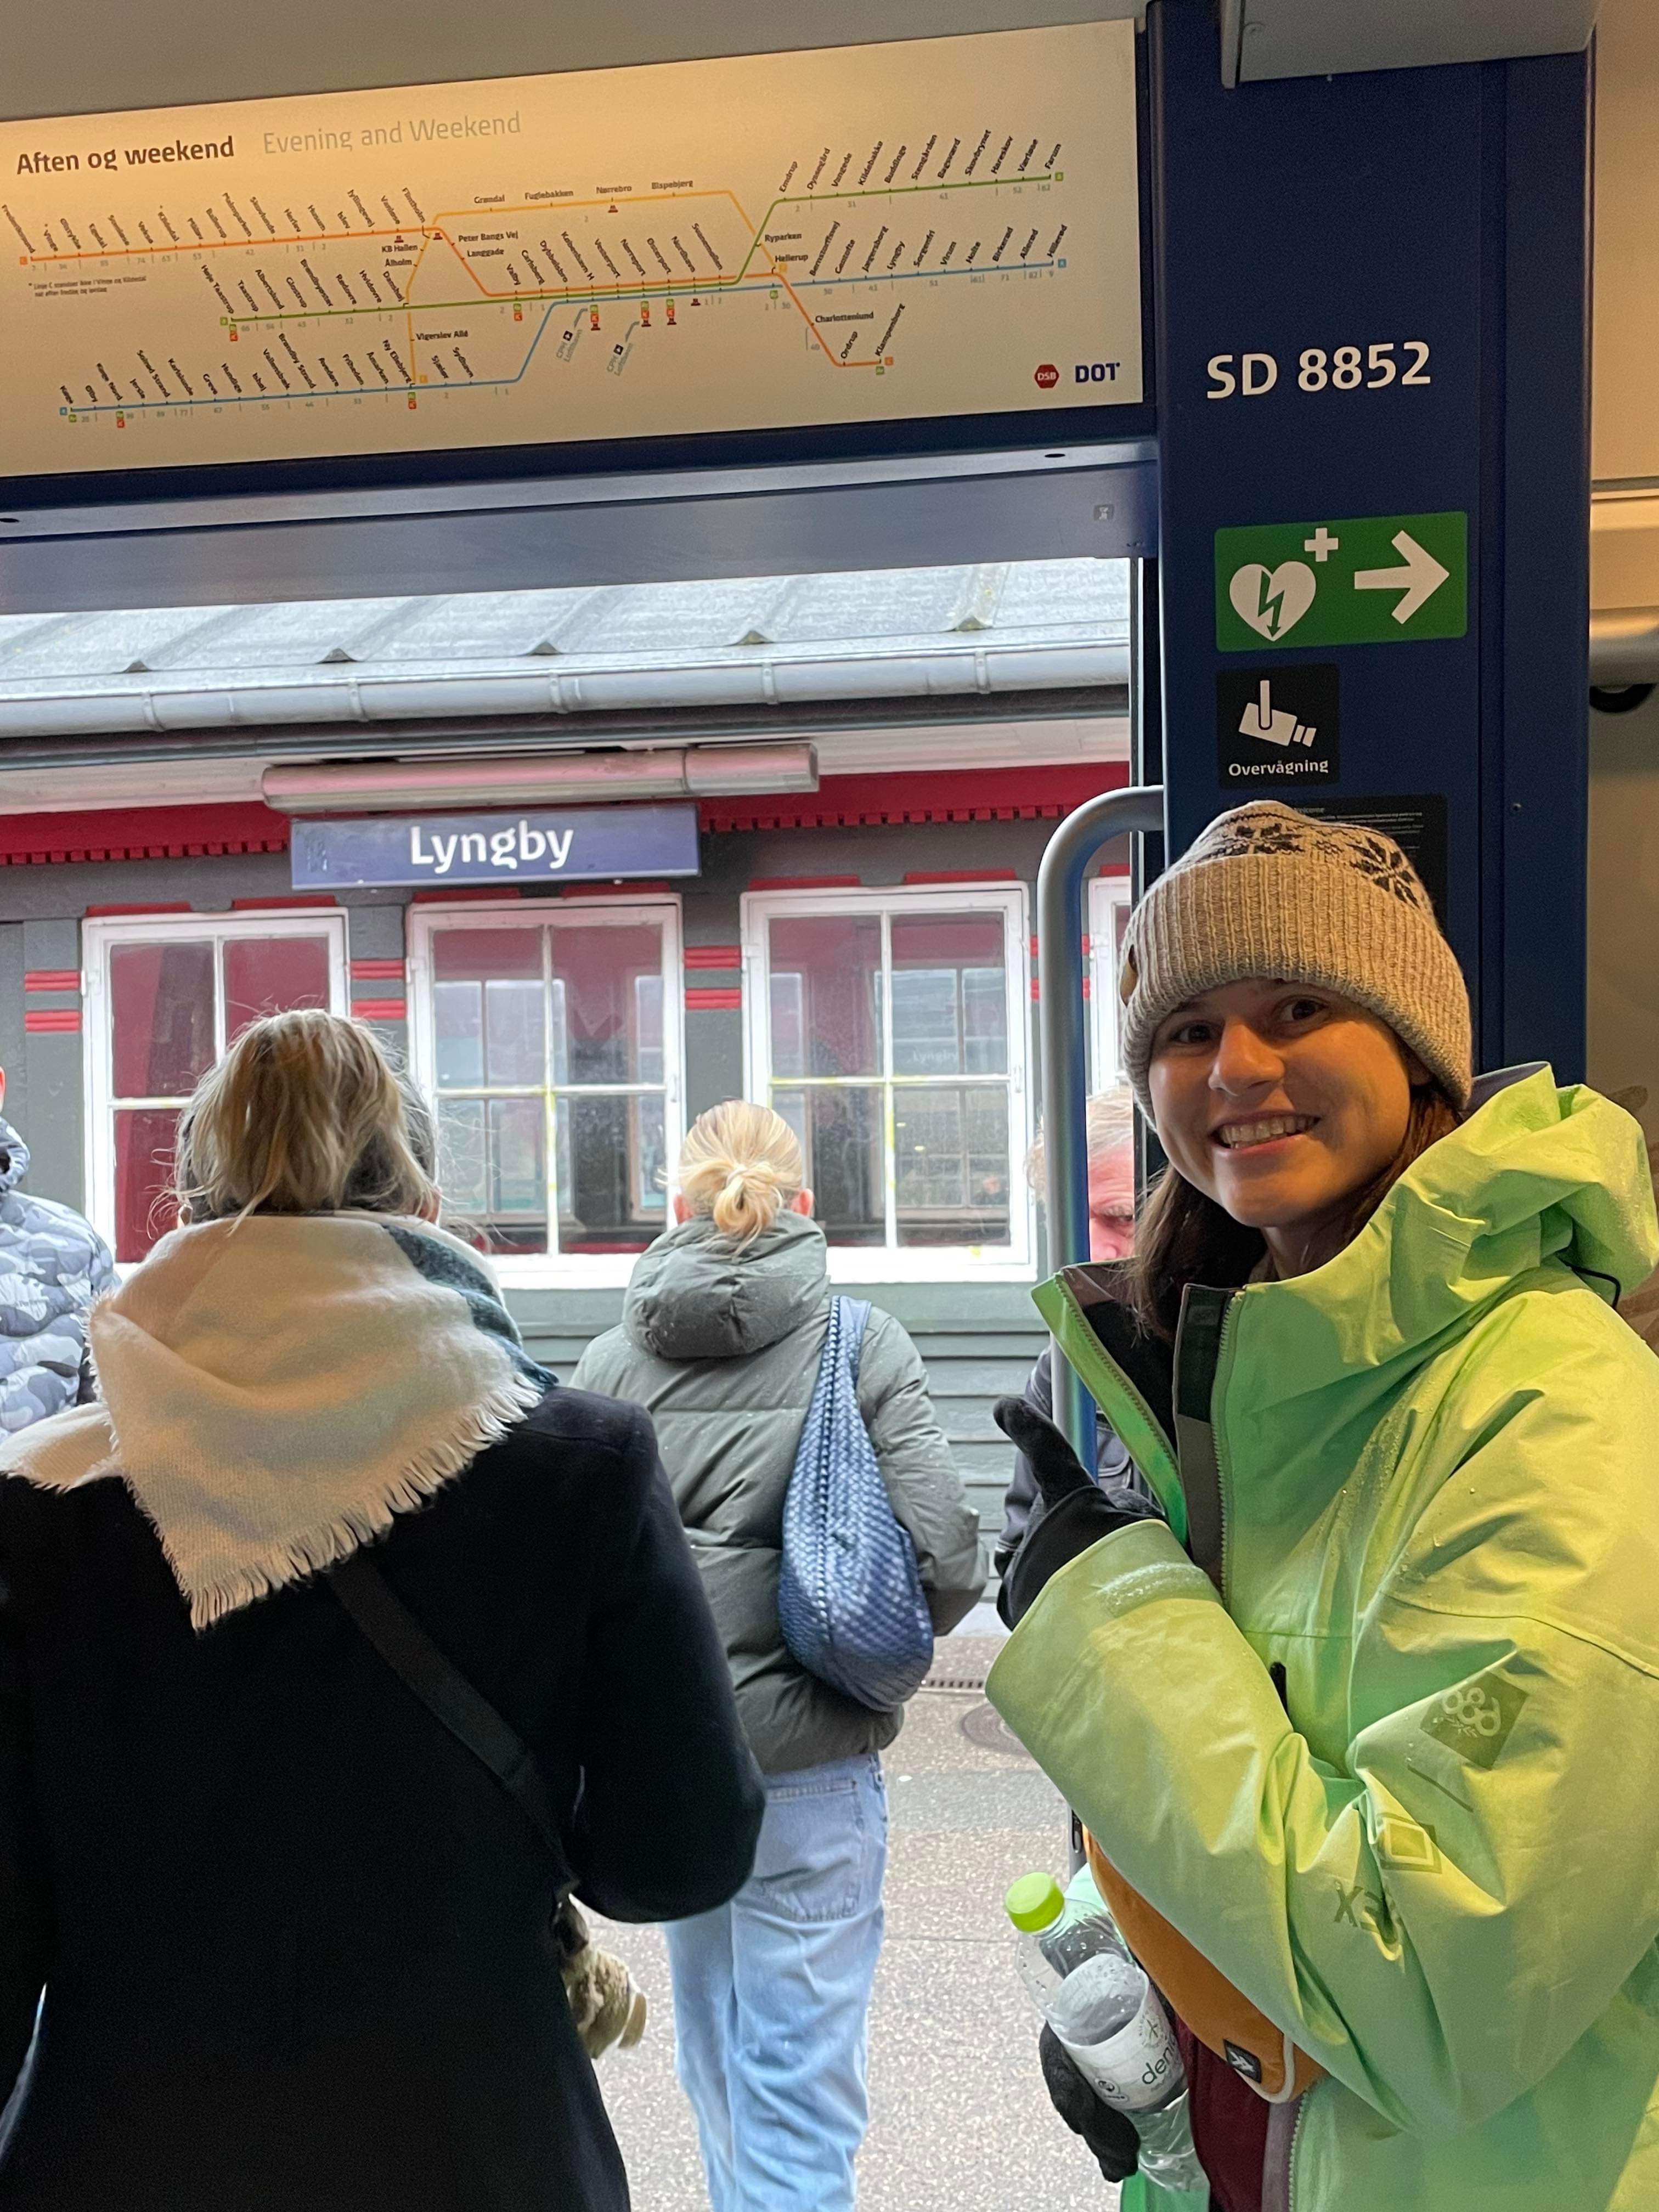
(878, 613)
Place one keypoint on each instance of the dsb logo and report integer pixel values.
(1047, 377)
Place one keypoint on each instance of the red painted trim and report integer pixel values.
(1004, 794)
(52, 979)
(380, 1010)
(804, 883)
(51, 1017)
(377, 971)
(141, 833)
(963, 876)
(702, 999)
(163, 833)
(173, 906)
(712, 955)
(279, 905)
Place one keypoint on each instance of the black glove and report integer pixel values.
(1076, 1513)
(1109, 2134)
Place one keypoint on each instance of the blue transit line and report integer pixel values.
(262, 398)
(909, 276)
(478, 383)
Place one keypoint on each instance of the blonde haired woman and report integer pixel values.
(721, 1335)
(296, 1941)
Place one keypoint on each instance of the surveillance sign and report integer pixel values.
(1276, 727)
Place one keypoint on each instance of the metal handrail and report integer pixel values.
(1065, 1071)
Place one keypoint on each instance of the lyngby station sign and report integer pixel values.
(539, 845)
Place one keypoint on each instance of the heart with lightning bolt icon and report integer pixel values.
(1274, 600)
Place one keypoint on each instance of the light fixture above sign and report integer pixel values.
(546, 779)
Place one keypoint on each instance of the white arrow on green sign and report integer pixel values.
(1365, 579)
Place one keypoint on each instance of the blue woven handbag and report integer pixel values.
(850, 1600)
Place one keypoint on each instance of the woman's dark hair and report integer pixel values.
(1183, 1237)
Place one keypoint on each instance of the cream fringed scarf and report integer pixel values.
(277, 1388)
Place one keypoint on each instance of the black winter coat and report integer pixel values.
(294, 1940)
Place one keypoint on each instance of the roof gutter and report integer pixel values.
(364, 696)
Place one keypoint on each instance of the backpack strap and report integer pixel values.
(448, 1695)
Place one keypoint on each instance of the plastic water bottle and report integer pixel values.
(1080, 1976)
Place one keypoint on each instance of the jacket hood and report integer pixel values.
(13, 1157)
(1537, 1173)
(696, 1294)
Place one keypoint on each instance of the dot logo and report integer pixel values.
(1047, 377)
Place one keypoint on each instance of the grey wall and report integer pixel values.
(978, 1339)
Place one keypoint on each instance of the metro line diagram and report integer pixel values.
(679, 248)
(624, 265)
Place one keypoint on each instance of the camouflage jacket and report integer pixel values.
(52, 1266)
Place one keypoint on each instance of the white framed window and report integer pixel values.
(1109, 917)
(549, 1038)
(165, 995)
(890, 1029)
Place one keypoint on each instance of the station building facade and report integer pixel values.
(859, 953)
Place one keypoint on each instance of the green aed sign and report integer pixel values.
(1371, 580)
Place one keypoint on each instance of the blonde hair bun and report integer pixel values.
(740, 1165)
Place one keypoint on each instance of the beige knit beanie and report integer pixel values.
(1266, 891)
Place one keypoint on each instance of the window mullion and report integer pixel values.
(549, 1097)
(219, 1048)
(889, 1134)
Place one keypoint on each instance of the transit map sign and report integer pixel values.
(931, 228)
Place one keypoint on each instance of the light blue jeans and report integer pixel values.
(772, 1997)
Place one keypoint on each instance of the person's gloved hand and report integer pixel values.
(1076, 1513)
(1109, 2134)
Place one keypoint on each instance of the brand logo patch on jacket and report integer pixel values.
(1406, 1844)
(1242, 2061)
(1475, 1718)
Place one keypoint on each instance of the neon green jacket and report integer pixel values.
(1432, 1466)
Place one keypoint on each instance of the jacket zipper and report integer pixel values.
(1278, 2169)
(1290, 2155)
(1228, 1320)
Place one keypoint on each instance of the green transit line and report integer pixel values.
(619, 293)
(877, 193)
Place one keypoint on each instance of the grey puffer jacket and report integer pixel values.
(52, 1266)
(721, 1345)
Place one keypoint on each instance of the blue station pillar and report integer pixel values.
(1371, 295)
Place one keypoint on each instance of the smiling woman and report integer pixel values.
(1349, 1732)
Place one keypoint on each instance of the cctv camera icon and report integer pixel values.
(1273, 726)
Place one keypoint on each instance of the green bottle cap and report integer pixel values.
(1034, 1902)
